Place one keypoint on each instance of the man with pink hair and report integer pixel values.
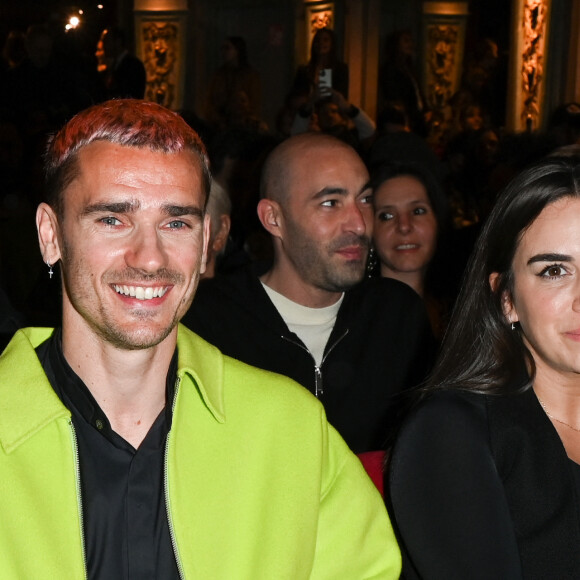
(130, 447)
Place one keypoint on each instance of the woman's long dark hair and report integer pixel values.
(435, 194)
(314, 49)
(439, 204)
(480, 351)
(241, 50)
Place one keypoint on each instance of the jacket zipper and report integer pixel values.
(79, 496)
(318, 386)
(166, 487)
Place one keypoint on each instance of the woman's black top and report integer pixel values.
(480, 487)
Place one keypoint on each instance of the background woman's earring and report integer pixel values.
(513, 325)
(50, 272)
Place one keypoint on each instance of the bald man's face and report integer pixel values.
(327, 216)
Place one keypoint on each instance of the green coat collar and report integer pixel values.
(28, 403)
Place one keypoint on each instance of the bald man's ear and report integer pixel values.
(270, 215)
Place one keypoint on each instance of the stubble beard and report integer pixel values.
(102, 321)
(324, 269)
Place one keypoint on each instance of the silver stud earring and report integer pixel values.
(50, 272)
(513, 325)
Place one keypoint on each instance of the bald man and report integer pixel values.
(309, 315)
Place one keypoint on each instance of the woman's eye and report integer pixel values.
(386, 216)
(553, 271)
(420, 210)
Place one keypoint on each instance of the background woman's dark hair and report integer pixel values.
(435, 193)
(393, 46)
(241, 50)
(480, 352)
(442, 278)
(314, 48)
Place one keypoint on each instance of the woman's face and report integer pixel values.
(473, 119)
(546, 293)
(405, 228)
(229, 52)
(323, 43)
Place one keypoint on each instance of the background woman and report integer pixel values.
(410, 213)
(484, 475)
(323, 56)
(233, 77)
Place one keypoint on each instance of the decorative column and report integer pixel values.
(444, 25)
(528, 51)
(362, 49)
(160, 38)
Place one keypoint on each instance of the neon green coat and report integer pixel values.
(258, 485)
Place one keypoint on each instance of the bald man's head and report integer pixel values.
(316, 203)
(300, 149)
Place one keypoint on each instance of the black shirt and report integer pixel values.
(122, 488)
(474, 500)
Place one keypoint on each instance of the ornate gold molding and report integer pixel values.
(534, 19)
(161, 43)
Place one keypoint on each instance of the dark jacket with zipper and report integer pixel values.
(380, 345)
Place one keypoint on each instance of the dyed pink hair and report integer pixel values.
(126, 122)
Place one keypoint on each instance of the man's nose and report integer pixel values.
(356, 219)
(145, 250)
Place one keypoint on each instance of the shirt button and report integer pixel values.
(99, 424)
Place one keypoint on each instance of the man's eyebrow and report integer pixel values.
(366, 187)
(111, 207)
(550, 258)
(178, 210)
(330, 191)
(170, 210)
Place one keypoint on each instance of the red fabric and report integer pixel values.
(373, 463)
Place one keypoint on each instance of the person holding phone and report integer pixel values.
(324, 70)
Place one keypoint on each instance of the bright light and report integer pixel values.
(81, 12)
(73, 22)
(100, 6)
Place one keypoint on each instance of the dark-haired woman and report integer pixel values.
(234, 77)
(410, 213)
(323, 57)
(484, 476)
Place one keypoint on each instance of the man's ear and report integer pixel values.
(221, 238)
(507, 305)
(271, 217)
(47, 226)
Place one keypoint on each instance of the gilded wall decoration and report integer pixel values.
(532, 71)
(161, 54)
(318, 15)
(442, 70)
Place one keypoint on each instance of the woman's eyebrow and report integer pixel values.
(550, 258)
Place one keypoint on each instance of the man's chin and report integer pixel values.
(347, 279)
(136, 338)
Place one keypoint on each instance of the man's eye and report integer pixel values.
(176, 224)
(367, 199)
(110, 221)
(329, 203)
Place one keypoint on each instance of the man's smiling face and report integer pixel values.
(133, 241)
